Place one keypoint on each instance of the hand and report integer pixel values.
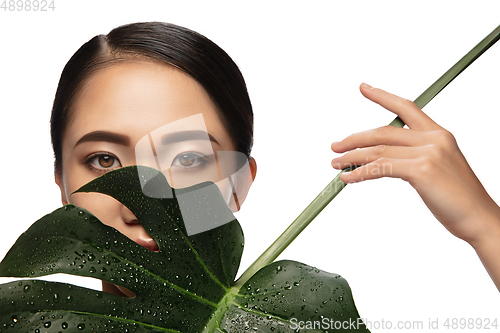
(426, 156)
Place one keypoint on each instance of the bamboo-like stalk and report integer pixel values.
(336, 185)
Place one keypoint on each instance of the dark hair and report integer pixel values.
(180, 47)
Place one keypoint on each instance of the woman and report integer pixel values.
(120, 88)
(170, 73)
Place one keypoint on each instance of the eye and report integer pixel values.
(102, 162)
(189, 160)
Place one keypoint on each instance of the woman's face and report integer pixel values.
(118, 106)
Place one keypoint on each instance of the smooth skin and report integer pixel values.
(428, 157)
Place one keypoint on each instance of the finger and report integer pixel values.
(386, 135)
(383, 167)
(368, 155)
(408, 111)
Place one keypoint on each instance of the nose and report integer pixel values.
(135, 231)
(127, 216)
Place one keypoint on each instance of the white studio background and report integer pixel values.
(303, 64)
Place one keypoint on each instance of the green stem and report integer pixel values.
(300, 223)
(336, 185)
(453, 72)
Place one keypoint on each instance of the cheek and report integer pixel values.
(74, 176)
(104, 207)
(225, 188)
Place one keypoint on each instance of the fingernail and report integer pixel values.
(345, 173)
(366, 85)
(336, 163)
(335, 143)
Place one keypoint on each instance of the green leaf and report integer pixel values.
(187, 286)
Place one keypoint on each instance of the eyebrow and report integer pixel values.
(186, 136)
(105, 136)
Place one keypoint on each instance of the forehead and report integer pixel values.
(137, 97)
